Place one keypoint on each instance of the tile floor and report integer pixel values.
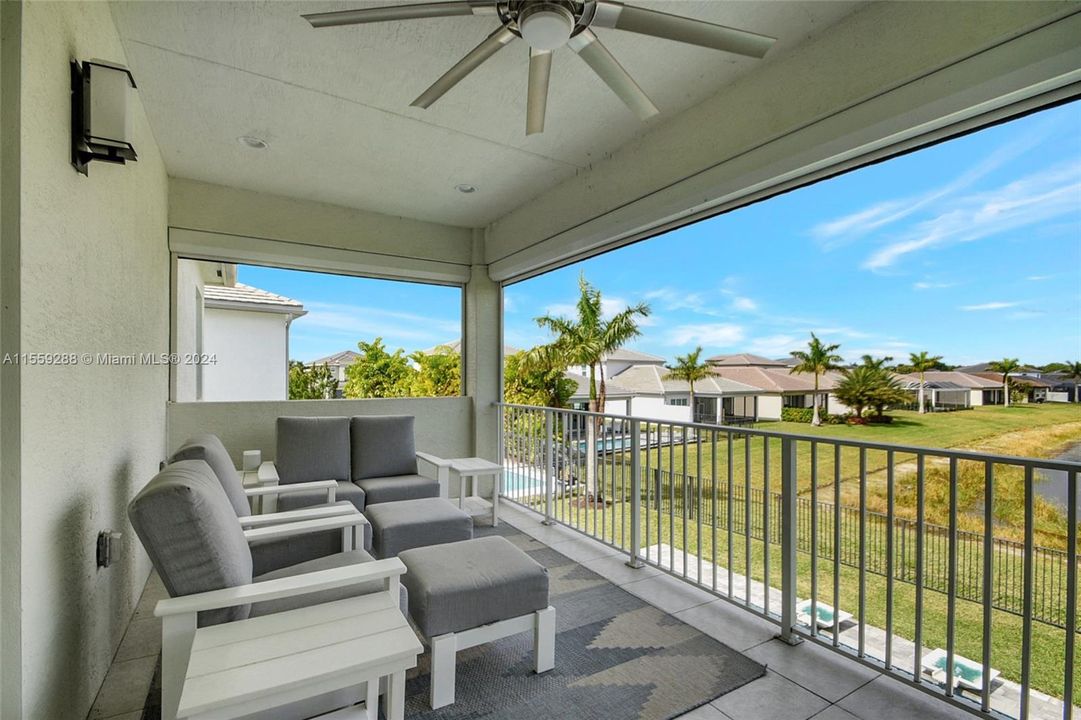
(801, 682)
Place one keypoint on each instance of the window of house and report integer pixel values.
(245, 332)
(794, 401)
(677, 401)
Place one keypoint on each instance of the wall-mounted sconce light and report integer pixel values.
(100, 122)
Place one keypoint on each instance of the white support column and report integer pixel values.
(444, 656)
(544, 640)
(482, 348)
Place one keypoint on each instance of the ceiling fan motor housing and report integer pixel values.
(545, 25)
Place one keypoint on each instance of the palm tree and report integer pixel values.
(1005, 366)
(921, 362)
(689, 369)
(817, 359)
(1073, 372)
(585, 341)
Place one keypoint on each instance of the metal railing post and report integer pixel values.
(789, 539)
(636, 494)
(549, 462)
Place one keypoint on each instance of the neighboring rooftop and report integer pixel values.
(338, 359)
(246, 297)
(624, 355)
(1019, 380)
(650, 380)
(612, 390)
(951, 379)
(775, 379)
(745, 360)
(986, 367)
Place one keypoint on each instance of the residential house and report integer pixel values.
(1034, 388)
(232, 338)
(953, 389)
(337, 363)
(616, 362)
(778, 387)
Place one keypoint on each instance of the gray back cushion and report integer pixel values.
(383, 445)
(208, 448)
(192, 535)
(312, 448)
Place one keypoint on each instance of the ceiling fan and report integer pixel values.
(548, 25)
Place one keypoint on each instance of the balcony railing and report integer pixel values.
(930, 557)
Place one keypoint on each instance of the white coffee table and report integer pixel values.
(473, 468)
(255, 665)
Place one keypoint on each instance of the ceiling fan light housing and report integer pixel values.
(545, 26)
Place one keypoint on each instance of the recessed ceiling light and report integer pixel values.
(253, 142)
(464, 188)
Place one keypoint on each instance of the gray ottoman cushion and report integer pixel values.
(382, 445)
(306, 498)
(324, 563)
(270, 555)
(312, 448)
(464, 585)
(398, 526)
(397, 487)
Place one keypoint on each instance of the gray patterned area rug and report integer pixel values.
(617, 658)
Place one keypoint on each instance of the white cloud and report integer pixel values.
(997, 305)
(834, 233)
(673, 299)
(356, 322)
(1035, 198)
(1040, 278)
(930, 285)
(776, 345)
(1026, 314)
(708, 335)
(745, 304)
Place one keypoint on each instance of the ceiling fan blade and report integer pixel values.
(400, 12)
(540, 68)
(681, 29)
(597, 57)
(488, 47)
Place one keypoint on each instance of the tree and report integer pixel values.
(438, 374)
(817, 359)
(873, 362)
(1073, 372)
(528, 383)
(922, 362)
(689, 369)
(1004, 367)
(314, 383)
(585, 341)
(377, 373)
(857, 386)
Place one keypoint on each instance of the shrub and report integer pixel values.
(799, 415)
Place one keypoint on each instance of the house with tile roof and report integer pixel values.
(954, 389)
(241, 331)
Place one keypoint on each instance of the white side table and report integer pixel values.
(473, 468)
(255, 665)
(261, 478)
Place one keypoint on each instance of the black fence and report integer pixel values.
(1007, 583)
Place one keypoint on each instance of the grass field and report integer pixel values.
(1025, 430)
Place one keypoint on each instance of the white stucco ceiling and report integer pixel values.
(334, 103)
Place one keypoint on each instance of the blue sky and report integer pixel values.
(970, 249)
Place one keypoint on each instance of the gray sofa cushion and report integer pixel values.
(306, 498)
(382, 445)
(191, 534)
(268, 556)
(398, 526)
(325, 563)
(208, 447)
(397, 487)
(312, 448)
(464, 585)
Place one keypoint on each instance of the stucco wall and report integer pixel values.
(443, 425)
(94, 278)
(769, 407)
(655, 409)
(248, 350)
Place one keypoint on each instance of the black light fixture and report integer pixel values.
(100, 116)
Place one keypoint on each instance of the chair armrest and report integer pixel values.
(291, 516)
(329, 485)
(390, 569)
(268, 473)
(441, 474)
(433, 459)
(304, 527)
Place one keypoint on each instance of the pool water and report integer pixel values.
(961, 669)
